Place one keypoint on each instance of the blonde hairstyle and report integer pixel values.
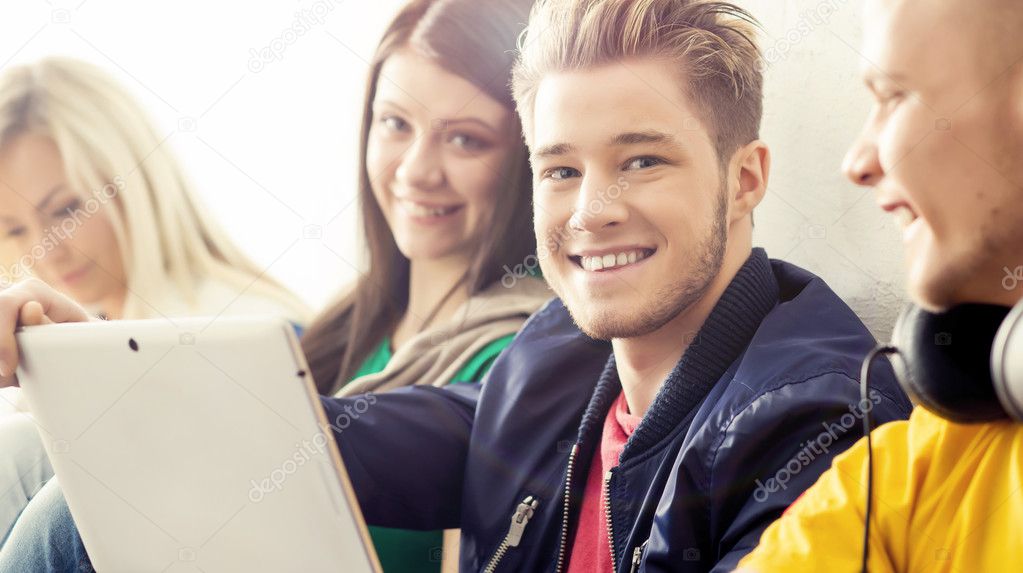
(110, 149)
(712, 43)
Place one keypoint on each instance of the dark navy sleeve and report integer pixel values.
(405, 452)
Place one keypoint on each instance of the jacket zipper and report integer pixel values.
(566, 508)
(523, 513)
(607, 516)
(637, 556)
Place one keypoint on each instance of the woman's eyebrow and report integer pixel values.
(441, 122)
(41, 206)
(391, 103)
(473, 120)
(873, 76)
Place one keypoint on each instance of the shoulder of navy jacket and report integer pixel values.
(810, 335)
(843, 386)
(758, 377)
(792, 279)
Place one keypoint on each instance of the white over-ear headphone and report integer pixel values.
(1007, 363)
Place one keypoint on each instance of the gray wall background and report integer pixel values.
(815, 105)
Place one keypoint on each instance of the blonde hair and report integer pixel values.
(712, 43)
(109, 148)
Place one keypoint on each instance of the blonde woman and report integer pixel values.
(93, 202)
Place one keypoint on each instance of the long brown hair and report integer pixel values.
(475, 40)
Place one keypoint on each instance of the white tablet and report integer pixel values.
(196, 445)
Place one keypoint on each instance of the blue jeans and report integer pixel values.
(24, 467)
(45, 538)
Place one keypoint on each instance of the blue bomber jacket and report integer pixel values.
(764, 397)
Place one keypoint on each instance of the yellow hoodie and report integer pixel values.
(947, 498)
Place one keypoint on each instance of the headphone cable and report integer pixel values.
(881, 349)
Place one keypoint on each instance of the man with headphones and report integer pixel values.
(941, 149)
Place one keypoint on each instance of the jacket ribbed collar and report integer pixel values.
(723, 337)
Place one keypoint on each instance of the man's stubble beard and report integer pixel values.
(670, 300)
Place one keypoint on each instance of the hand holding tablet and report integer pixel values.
(29, 303)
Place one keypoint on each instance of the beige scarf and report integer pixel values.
(434, 356)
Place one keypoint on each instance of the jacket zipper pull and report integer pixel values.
(523, 513)
(520, 519)
(637, 556)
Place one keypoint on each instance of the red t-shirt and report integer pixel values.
(591, 550)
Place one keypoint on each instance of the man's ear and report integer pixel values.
(748, 174)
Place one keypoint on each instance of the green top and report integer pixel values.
(405, 550)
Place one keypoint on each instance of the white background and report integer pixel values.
(271, 146)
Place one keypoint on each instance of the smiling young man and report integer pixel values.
(685, 388)
(942, 151)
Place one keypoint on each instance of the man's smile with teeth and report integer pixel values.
(611, 260)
